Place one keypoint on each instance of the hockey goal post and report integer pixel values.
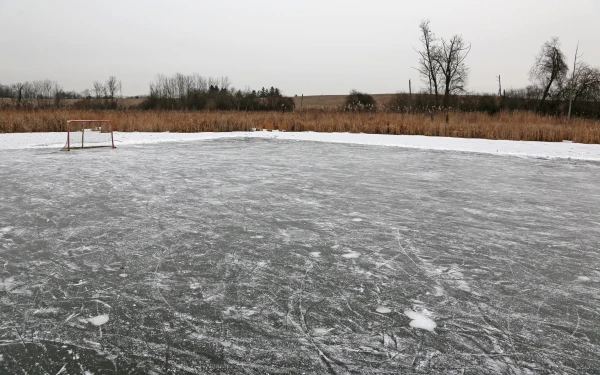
(89, 134)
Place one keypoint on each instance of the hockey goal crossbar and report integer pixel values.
(89, 134)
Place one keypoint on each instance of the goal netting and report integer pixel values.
(89, 134)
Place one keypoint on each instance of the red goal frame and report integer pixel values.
(110, 130)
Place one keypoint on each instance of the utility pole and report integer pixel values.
(573, 83)
(499, 86)
(409, 96)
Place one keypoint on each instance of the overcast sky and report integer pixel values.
(306, 47)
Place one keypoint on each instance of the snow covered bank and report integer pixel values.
(518, 148)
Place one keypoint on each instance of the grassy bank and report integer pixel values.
(526, 126)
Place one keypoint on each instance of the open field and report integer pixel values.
(524, 126)
(271, 256)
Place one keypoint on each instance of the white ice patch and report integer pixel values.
(123, 275)
(315, 254)
(357, 219)
(420, 320)
(438, 291)
(351, 254)
(7, 284)
(583, 278)
(226, 343)
(321, 331)
(257, 237)
(46, 311)
(98, 320)
(261, 264)
(383, 310)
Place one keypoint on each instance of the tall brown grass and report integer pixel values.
(526, 126)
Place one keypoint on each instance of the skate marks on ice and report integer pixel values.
(220, 258)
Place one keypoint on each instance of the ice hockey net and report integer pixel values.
(89, 134)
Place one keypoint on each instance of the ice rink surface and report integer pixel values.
(278, 256)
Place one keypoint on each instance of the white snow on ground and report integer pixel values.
(551, 150)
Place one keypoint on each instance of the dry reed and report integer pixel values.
(525, 126)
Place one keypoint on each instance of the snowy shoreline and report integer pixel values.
(548, 150)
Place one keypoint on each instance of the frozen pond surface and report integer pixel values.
(255, 256)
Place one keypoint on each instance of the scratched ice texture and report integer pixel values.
(272, 256)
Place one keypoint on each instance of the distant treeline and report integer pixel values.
(195, 92)
(177, 92)
(587, 106)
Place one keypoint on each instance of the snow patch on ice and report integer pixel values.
(559, 150)
(420, 321)
(351, 254)
(46, 311)
(123, 275)
(257, 237)
(583, 278)
(383, 310)
(357, 219)
(7, 284)
(226, 343)
(321, 331)
(315, 254)
(99, 320)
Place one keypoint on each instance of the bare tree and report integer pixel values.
(587, 84)
(584, 82)
(99, 90)
(428, 67)
(112, 87)
(550, 67)
(451, 58)
(214, 82)
(200, 83)
(22, 90)
(42, 92)
(225, 83)
(58, 94)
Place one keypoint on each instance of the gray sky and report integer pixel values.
(309, 46)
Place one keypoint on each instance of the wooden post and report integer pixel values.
(302, 101)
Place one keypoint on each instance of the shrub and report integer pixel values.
(359, 101)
